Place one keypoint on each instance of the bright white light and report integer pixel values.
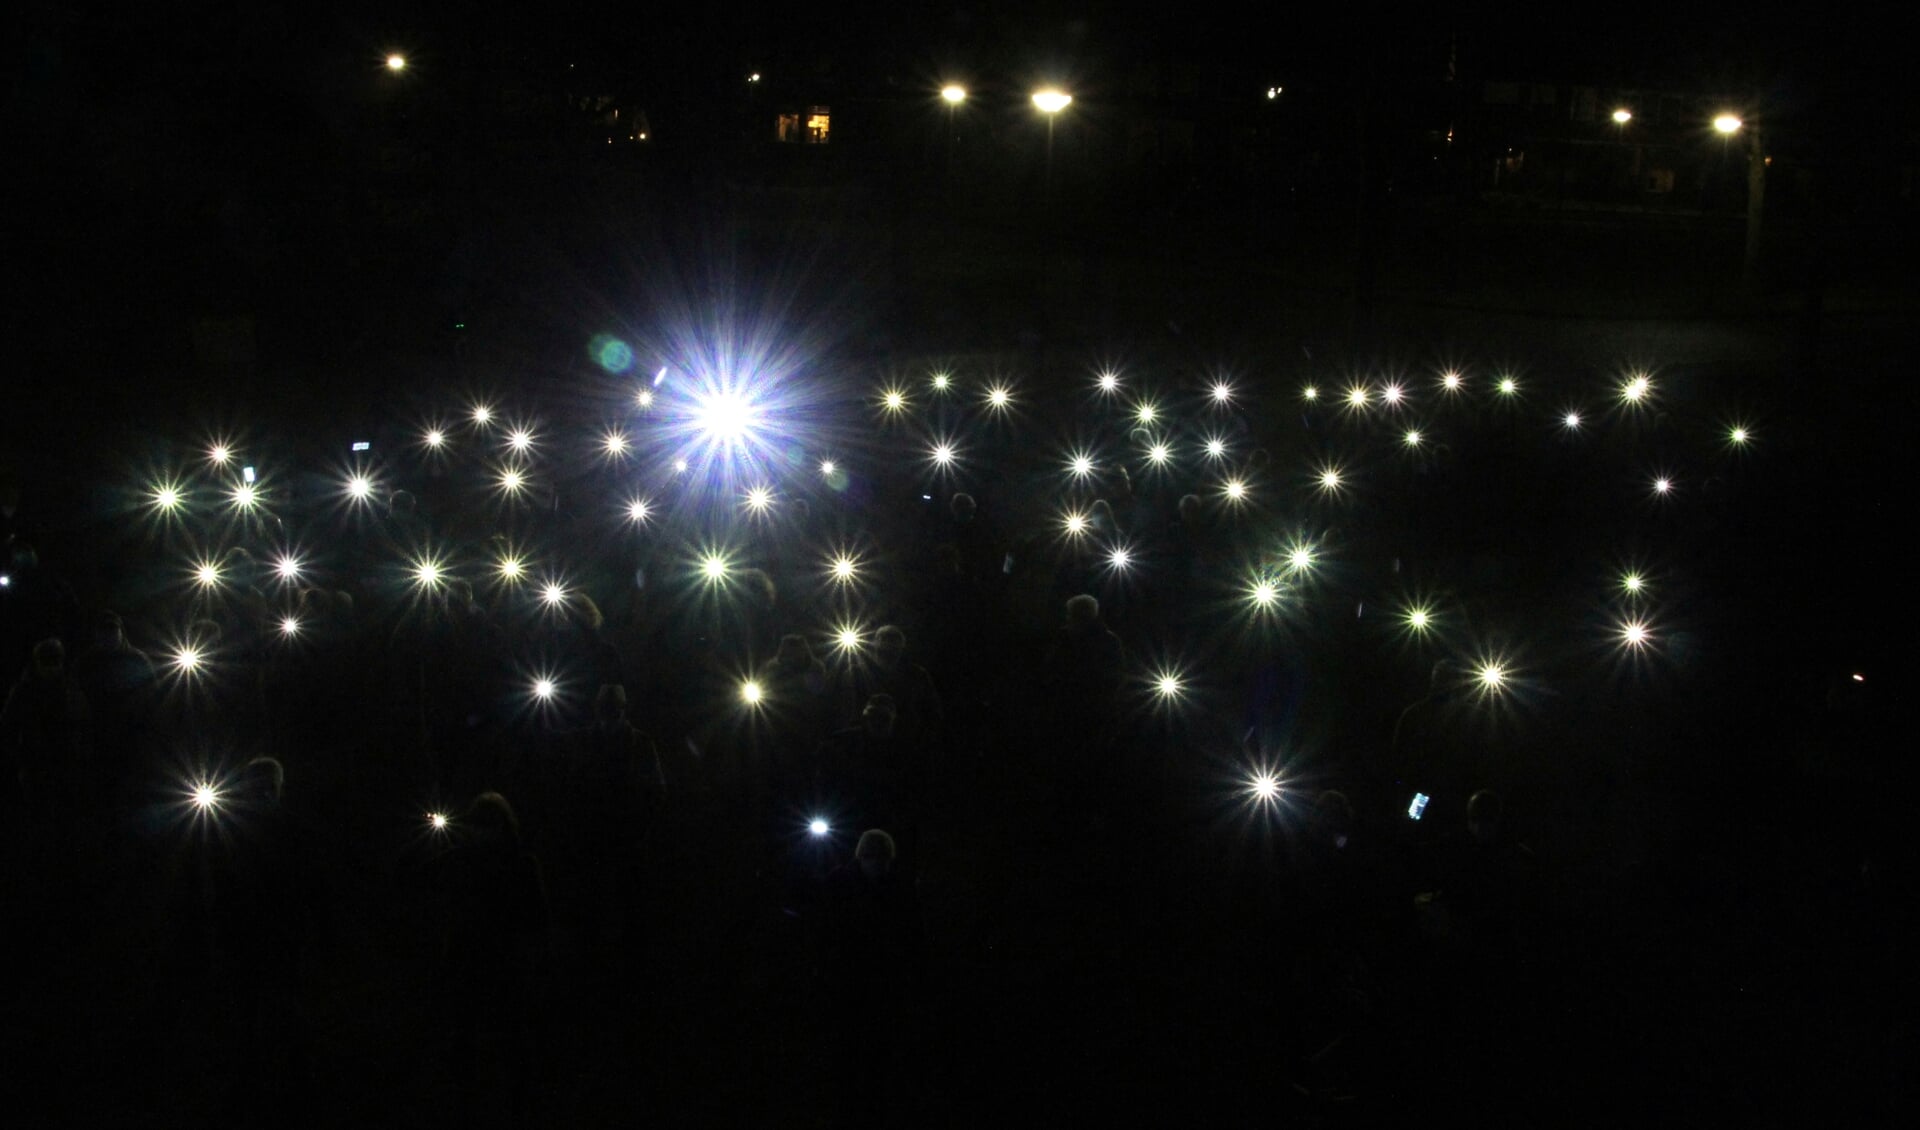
(435, 438)
(1571, 421)
(1081, 466)
(942, 382)
(520, 439)
(846, 637)
(893, 400)
(1412, 438)
(543, 689)
(552, 595)
(759, 499)
(1633, 583)
(187, 659)
(725, 416)
(828, 466)
(1301, 557)
(1074, 522)
(207, 573)
(1492, 676)
(1222, 392)
(1508, 386)
(245, 497)
(1635, 634)
(219, 453)
(1622, 116)
(511, 568)
(289, 626)
(750, 693)
(360, 488)
(1738, 436)
(1265, 787)
(714, 567)
(1109, 382)
(1051, 101)
(1159, 453)
(1216, 447)
(1121, 558)
(1309, 393)
(817, 826)
(614, 443)
(1727, 123)
(1146, 413)
(427, 573)
(942, 455)
(1357, 396)
(1235, 490)
(1663, 485)
(1264, 594)
(1331, 480)
(482, 415)
(679, 466)
(1168, 685)
(843, 569)
(437, 821)
(287, 567)
(166, 498)
(1451, 381)
(639, 510)
(1419, 619)
(205, 797)
(999, 397)
(396, 62)
(954, 94)
(512, 481)
(1636, 390)
(1392, 394)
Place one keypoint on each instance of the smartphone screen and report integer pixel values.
(1418, 806)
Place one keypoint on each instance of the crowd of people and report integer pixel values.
(528, 682)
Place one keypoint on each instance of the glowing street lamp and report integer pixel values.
(751, 692)
(943, 455)
(1331, 481)
(552, 594)
(396, 63)
(434, 438)
(1738, 436)
(954, 95)
(244, 497)
(1357, 397)
(818, 828)
(1235, 490)
(1264, 788)
(1075, 523)
(1264, 594)
(1120, 559)
(166, 498)
(1050, 102)
(510, 569)
(1392, 394)
(1492, 677)
(1727, 124)
(1216, 448)
(894, 400)
(205, 797)
(207, 574)
(437, 821)
(219, 454)
(942, 382)
(1168, 686)
(828, 467)
(359, 489)
(1622, 116)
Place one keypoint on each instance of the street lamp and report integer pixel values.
(954, 94)
(396, 62)
(1050, 102)
(1727, 124)
(1622, 116)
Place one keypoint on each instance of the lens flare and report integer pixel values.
(552, 594)
(1571, 421)
(434, 438)
(437, 821)
(482, 415)
(644, 398)
(1418, 619)
(166, 497)
(520, 440)
(1120, 558)
(847, 638)
(428, 572)
(1357, 396)
(639, 510)
(999, 398)
(1663, 485)
(289, 626)
(187, 659)
(715, 568)
(818, 827)
(1738, 436)
(843, 569)
(1168, 685)
(510, 569)
(1633, 583)
(1216, 447)
(543, 689)
(1264, 593)
(1235, 490)
(1492, 677)
(207, 574)
(758, 499)
(1635, 634)
(1080, 465)
(1109, 383)
(726, 417)
(1222, 392)
(615, 444)
(1508, 386)
(1159, 454)
(244, 497)
(1331, 480)
(1412, 438)
(943, 454)
(1074, 522)
(750, 693)
(1393, 394)
(511, 481)
(942, 382)
(1264, 787)
(894, 400)
(828, 466)
(205, 796)
(1309, 393)
(1636, 389)
(359, 489)
(1146, 412)
(287, 567)
(1452, 381)
(1301, 556)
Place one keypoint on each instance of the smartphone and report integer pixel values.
(1418, 806)
(247, 475)
(361, 445)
